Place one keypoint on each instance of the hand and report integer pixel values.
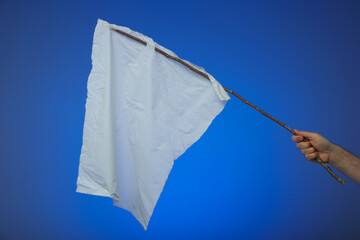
(317, 145)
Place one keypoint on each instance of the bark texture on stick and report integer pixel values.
(318, 160)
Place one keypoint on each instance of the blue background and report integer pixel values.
(244, 179)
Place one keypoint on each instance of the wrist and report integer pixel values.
(334, 152)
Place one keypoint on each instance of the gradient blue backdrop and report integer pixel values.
(244, 179)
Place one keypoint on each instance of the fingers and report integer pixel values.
(311, 156)
(303, 145)
(308, 135)
(306, 147)
(308, 150)
(297, 138)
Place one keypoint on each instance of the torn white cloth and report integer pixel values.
(143, 111)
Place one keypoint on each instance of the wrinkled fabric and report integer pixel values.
(143, 111)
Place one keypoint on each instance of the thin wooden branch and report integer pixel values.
(318, 160)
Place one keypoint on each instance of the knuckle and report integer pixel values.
(301, 145)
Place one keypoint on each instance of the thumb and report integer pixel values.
(308, 135)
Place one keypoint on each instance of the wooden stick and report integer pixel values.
(318, 160)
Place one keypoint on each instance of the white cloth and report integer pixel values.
(142, 112)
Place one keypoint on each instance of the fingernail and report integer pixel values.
(299, 138)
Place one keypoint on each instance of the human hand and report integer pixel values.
(316, 146)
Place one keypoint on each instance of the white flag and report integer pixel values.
(143, 111)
